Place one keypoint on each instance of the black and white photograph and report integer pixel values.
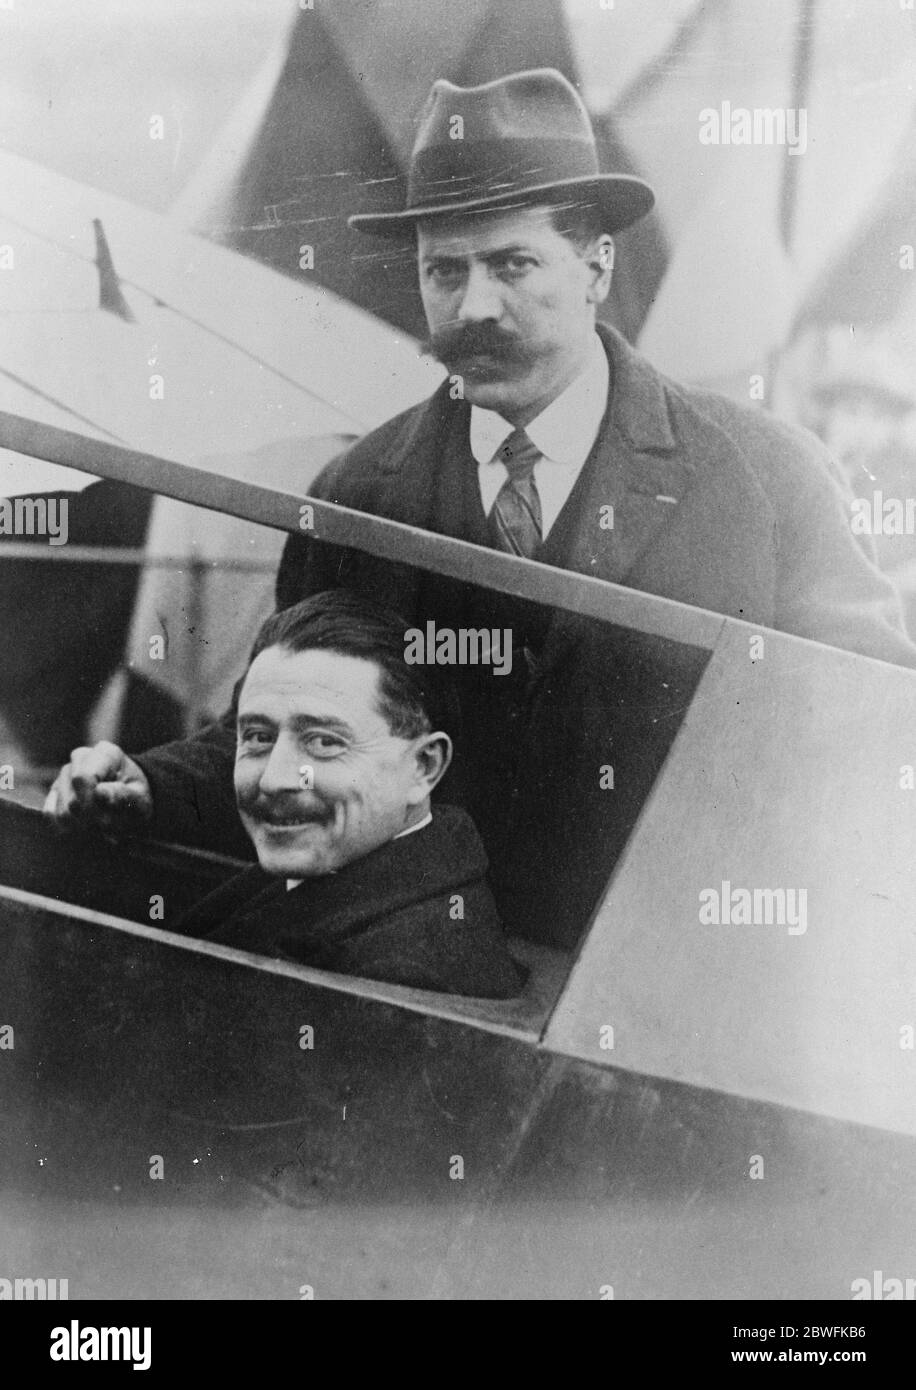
(458, 679)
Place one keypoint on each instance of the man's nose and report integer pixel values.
(282, 771)
(481, 301)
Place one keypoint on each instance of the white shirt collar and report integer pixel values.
(419, 826)
(565, 430)
(292, 883)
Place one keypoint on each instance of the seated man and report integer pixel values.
(338, 749)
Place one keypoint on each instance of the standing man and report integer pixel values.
(549, 428)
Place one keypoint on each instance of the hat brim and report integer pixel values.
(623, 198)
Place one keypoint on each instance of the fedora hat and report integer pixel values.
(510, 143)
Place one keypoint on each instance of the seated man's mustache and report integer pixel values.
(456, 343)
(287, 811)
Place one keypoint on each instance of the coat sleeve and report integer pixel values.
(829, 586)
(193, 795)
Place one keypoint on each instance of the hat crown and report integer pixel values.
(537, 104)
(521, 139)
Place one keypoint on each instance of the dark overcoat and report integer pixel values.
(715, 504)
(416, 911)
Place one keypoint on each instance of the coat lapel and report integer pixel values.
(639, 469)
(636, 468)
(409, 472)
(257, 913)
(409, 492)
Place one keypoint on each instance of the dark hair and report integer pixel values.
(580, 222)
(412, 699)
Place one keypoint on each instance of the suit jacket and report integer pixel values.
(388, 916)
(715, 504)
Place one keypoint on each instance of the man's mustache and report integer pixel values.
(460, 341)
(286, 811)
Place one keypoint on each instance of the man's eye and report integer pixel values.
(256, 738)
(516, 265)
(444, 272)
(324, 745)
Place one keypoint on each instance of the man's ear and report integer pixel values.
(600, 261)
(433, 753)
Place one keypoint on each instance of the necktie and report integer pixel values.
(515, 519)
